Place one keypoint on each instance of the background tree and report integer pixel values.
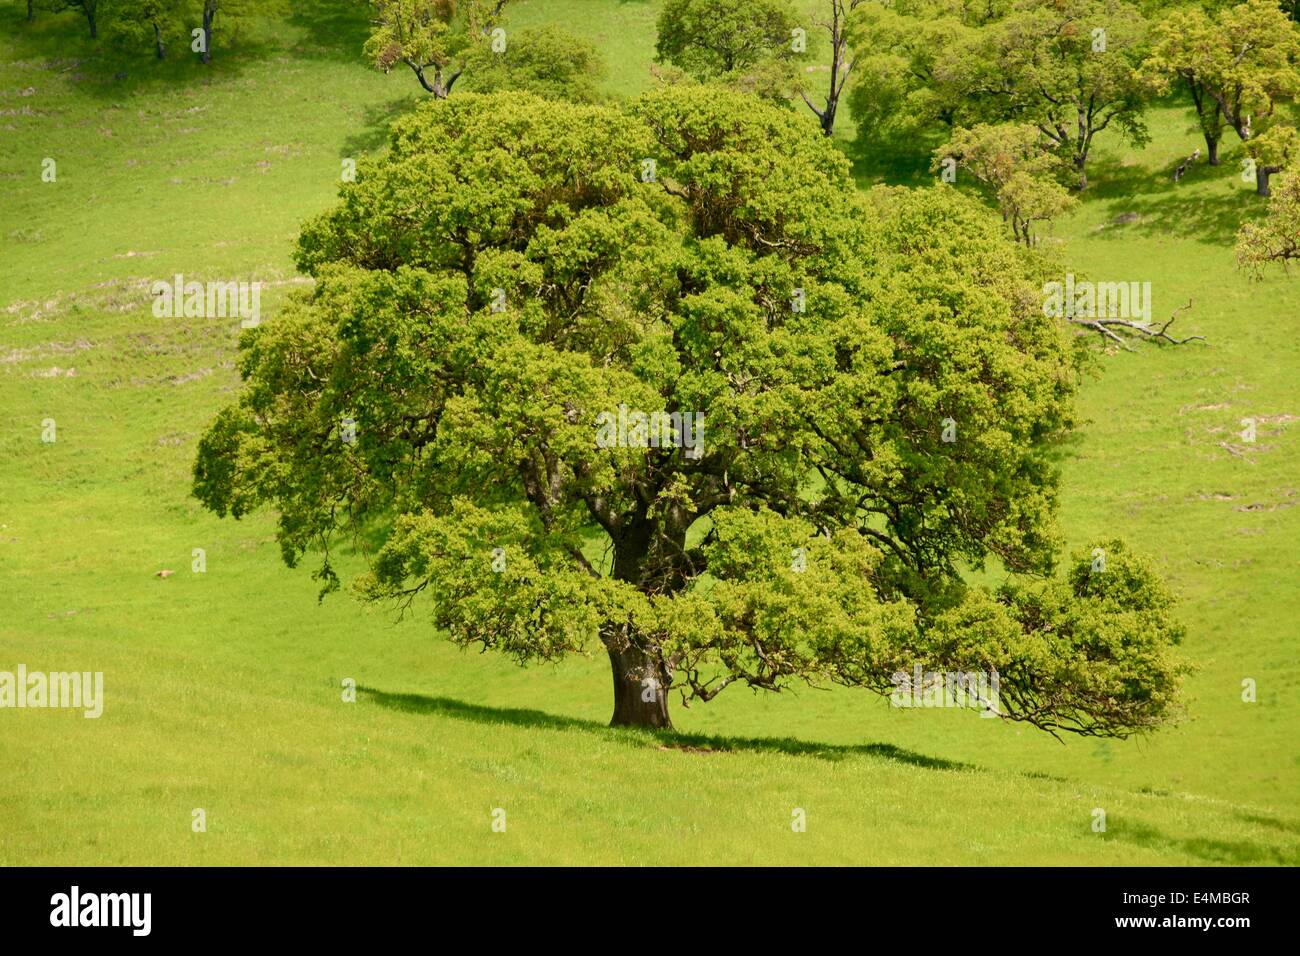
(1236, 65)
(87, 8)
(838, 26)
(506, 272)
(1183, 41)
(233, 14)
(433, 38)
(1009, 159)
(922, 64)
(720, 39)
(549, 61)
(209, 16)
(1275, 149)
(157, 22)
(1277, 238)
(895, 92)
(1071, 67)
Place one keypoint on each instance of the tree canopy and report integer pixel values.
(549, 61)
(1008, 159)
(748, 45)
(1277, 238)
(433, 38)
(714, 38)
(1276, 148)
(1072, 68)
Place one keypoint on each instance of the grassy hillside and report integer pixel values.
(224, 687)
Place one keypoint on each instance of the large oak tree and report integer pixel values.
(880, 385)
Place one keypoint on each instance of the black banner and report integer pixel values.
(331, 905)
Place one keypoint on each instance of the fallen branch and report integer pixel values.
(1107, 329)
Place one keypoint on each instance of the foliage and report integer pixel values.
(710, 39)
(1273, 150)
(1072, 68)
(1009, 159)
(746, 44)
(159, 24)
(434, 38)
(549, 61)
(1237, 63)
(1082, 640)
(909, 72)
(1277, 238)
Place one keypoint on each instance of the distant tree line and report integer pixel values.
(1016, 91)
(162, 24)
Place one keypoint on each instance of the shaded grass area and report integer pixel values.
(695, 743)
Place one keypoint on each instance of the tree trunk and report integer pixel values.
(1262, 174)
(1211, 125)
(1081, 164)
(640, 690)
(828, 117)
(1212, 149)
(208, 15)
(439, 88)
(641, 680)
(158, 42)
(839, 47)
(30, 13)
(94, 33)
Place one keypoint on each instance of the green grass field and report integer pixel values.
(224, 688)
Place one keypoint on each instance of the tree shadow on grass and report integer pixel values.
(905, 162)
(1286, 826)
(1211, 219)
(687, 743)
(1110, 180)
(332, 29)
(375, 121)
(1201, 207)
(109, 70)
(1229, 852)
